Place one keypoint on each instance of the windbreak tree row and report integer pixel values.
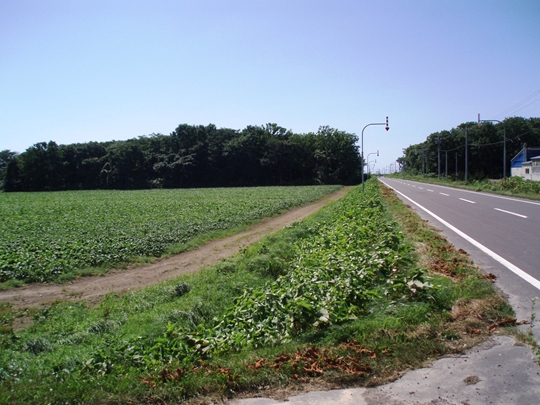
(484, 149)
(191, 156)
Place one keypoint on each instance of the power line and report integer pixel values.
(451, 150)
(477, 145)
(532, 102)
(529, 97)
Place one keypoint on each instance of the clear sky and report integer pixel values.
(90, 70)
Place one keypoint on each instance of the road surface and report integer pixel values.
(501, 234)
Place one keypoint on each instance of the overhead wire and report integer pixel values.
(490, 144)
(520, 104)
(532, 102)
(526, 99)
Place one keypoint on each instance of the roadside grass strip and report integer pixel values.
(355, 257)
(353, 295)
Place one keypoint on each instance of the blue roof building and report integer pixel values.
(526, 164)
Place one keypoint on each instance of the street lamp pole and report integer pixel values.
(362, 140)
(369, 154)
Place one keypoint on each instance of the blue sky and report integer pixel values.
(78, 71)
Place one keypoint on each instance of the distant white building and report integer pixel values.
(526, 164)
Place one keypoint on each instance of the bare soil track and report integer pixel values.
(93, 289)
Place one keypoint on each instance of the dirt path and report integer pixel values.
(93, 289)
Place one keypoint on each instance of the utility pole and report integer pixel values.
(446, 165)
(466, 153)
(439, 157)
(425, 164)
(504, 142)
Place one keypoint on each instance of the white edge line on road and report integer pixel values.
(469, 201)
(448, 195)
(511, 213)
(521, 200)
(531, 280)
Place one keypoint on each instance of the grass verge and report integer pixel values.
(358, 293)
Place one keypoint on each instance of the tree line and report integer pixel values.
(484, 149)
(191, 156)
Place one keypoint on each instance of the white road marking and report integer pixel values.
(511, 213)
(469, 201)
(431, 191)
(489, 195)
(421, 188)
(448, 195)
(528, 278)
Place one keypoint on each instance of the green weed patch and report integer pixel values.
(343, 298)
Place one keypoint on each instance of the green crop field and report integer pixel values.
(44, 236)
(338, 299)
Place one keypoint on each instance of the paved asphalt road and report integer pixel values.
(497, 372)
(500, 234)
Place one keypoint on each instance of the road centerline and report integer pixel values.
(447, 195)
(469, 201)
(486, 194)
(512, 267)
(511, 213)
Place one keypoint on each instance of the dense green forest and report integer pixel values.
(484, 149)
(191, 156)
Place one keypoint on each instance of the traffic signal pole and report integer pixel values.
(373, 123)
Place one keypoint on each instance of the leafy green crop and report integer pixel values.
(346, 275)
(45, 235)
(346, 262)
